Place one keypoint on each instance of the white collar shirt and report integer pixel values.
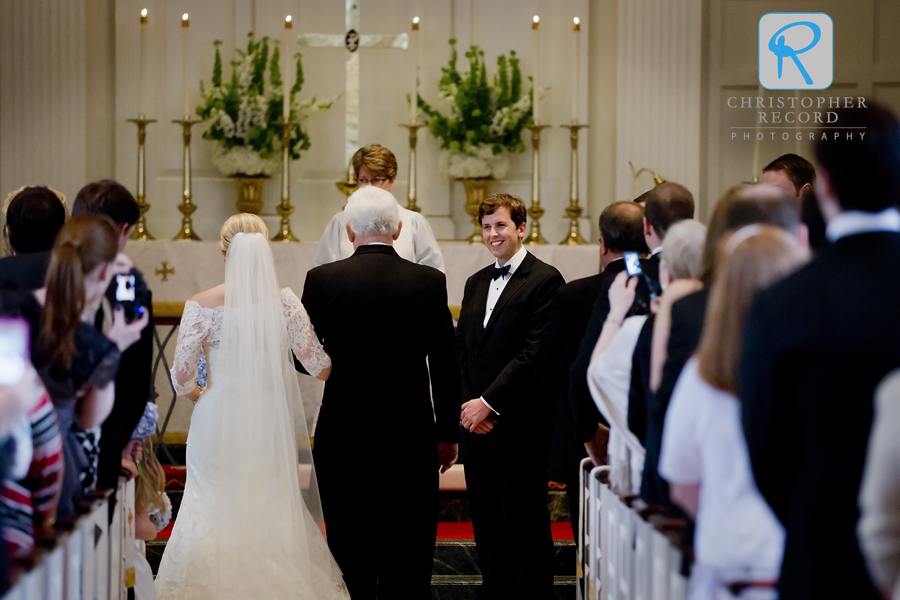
(499, 284)
(853, 222)
(656, 251)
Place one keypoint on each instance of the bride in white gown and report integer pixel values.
(245, 529)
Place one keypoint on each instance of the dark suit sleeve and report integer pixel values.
(767, 426)
(637, 400)
(553, 357)
(501, 394)
(462, 351)
(443, 367)
(585, 415)
(684, 337)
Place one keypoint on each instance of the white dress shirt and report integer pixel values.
(496, 289)
(853, 222)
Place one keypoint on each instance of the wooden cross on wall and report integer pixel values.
(351, 40)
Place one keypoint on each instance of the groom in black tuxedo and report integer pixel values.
(379, 442)
(507, 418)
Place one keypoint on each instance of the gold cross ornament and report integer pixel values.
(165, 271)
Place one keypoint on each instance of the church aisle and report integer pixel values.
(455, 574)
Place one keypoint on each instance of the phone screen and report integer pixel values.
(125, 288)
(13, 350)
(633, 264)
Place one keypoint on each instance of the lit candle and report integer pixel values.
(414, 49)
(535, 28)
(142, 67)
(286, 71)
(185, 51)
(576, 70)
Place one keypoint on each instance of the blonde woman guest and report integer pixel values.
(739, 542)
(375, 165)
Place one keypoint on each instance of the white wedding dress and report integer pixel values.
(244, 529)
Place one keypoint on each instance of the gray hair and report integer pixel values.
(683, 249)
(372, 211)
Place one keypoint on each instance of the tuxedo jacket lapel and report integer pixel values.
(481, 294)
(515, 283)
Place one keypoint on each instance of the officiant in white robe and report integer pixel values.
(376, 165)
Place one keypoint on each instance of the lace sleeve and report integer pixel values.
(191, 334)
(302, 336)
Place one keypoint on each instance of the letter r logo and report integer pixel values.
(796, 51)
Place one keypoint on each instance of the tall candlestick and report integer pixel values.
(536, 99)
(286, 73)
(414, 95)
(185, 51)
(142, 66)
(576, 70)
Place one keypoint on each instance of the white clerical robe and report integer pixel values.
(416, 242)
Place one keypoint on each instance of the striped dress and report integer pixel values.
(28, 504)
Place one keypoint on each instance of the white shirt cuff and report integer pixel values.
(489, 406)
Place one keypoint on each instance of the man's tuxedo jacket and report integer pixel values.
(816, 345)
(498, 361)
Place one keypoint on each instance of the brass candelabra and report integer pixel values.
(187, 207)
(285, 209)
(574, 209)
(535, 211)
(140, 229)
(413, 180)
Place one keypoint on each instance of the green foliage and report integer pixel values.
(480, 112)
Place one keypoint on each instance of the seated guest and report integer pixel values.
(682, 319)
(816, 345)
(879, 497)
(78, 363)
(621, 230)
(609, 375)
(664, 205)
(112, 199)
(376, 165)
(34, 215)
(738, 541)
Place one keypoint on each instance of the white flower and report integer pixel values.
(226, 124)
(243, 160)
(476, 161)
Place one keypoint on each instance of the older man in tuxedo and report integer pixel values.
(377, 409)
(508, 412)
(816, 345)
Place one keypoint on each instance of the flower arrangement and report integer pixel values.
(482, 121)
(242, 114)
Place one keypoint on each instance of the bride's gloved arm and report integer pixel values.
(191, 334)
(302, 336)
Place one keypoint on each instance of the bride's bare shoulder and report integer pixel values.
(212, 298)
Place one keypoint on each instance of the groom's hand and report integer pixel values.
(447, 455)
(473, 413)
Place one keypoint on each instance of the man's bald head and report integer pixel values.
(621, 227)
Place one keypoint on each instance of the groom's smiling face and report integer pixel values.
(500, 234)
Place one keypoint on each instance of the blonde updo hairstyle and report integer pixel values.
(241, 223)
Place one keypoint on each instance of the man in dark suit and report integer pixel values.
(815, 347)
(620, 232)
(112, 199)
(739, 207)
(33, 218)
(624, 233)
(664, 205)
(377, 408)
(507, 415)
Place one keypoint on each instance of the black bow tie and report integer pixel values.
(501, 272)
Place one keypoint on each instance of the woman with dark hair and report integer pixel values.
(78, 363)
(739, 542)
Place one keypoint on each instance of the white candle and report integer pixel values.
(185, 51)
(535, 28)
(576, 70)
(142, 67)
(414, 48)
(286, 71)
